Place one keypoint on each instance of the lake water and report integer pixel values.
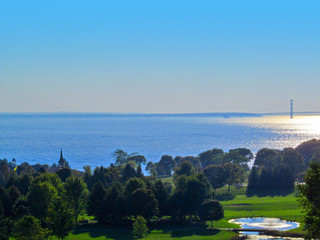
(91, 139)
(264, 223)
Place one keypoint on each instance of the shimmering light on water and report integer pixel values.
(92, 140)
(285, 132)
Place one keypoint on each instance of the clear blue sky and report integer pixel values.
(158, 56)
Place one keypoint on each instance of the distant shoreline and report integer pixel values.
(139, 115)
(135, 115)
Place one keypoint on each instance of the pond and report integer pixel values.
(263, 223)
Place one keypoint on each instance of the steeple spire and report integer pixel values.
(62, 161)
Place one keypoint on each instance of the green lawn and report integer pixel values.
(181, 232)
(284, 207)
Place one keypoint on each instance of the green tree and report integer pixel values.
(140, 228)
(211, 210)
(193, 160)
(143, 202)
(4, 172)
(4, 231)
(128, 172)
(165, 165)
(253, 180)
(21, 182)
(60, 218)
(293, 160)
(268, 158)
(185, 168)
(112, 174)
(286, 179)
(234, 174)
(75, 193)
(190, 192)
(240, 156)
(162, 196)
(21, 208)
(87, 175)
(138, 159)
(114, 203)
(53, 179)
(265, 179)
(132, 185)
(310, 200)
(213, 156)
(139, 173)
(308, 149)
(197, 189)
(151, 168)
(216, 175)
(29, 228)
(12, 196)
(39, 198)
(120, 156)
(64, 173)
(96, 198)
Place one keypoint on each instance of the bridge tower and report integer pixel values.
(291, 108)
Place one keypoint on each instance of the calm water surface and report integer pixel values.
(91, 140)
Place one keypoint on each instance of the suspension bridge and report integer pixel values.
(279, 109)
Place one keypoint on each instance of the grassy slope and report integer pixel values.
(240, 206)
(283, 207)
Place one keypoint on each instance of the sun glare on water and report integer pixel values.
(309, 125)
(280, 131)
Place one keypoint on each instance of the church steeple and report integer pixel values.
(62, 161)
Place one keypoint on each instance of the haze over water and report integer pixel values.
(92, 140)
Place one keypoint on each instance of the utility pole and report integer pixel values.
(291, 108)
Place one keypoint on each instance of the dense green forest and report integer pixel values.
(38, 201)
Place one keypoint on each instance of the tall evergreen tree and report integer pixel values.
(253, 180)
(161, 194)
(140, 228)
(95, 203)
(143, 202)
(114, 203)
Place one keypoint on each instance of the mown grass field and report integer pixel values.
(238, 206)
(283, 207)
(181, 232)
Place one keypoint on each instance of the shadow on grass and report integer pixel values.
(225, 197)
(268, 192)
(125, 232)
(110, 232)
(185, 230)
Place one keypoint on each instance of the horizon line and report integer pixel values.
(161, 113)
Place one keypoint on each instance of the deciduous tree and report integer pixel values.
(76, 193)
(310, 200)
(40, 198)
(29, 228)
(216, 175)
(60, 218)
(211, 210)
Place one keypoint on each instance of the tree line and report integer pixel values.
(41, 200)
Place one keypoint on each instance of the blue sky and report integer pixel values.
(158, 56)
